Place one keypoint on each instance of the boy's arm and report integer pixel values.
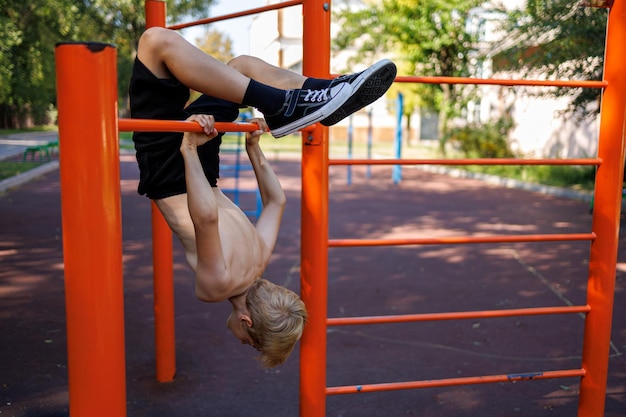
(211, 272)
(268, 223)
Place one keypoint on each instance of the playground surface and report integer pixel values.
(217, 376)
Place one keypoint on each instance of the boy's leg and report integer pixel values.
(343, 96)
(368, 85)
(261, 71)
(166, 54)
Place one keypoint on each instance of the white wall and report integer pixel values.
(542, 128)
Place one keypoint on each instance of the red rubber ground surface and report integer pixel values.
(217, 376)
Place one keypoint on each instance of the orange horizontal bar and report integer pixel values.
(460, 315)
(337, 243)
(468, 161)
(509, 83)
(148, 125)
(237, 14)
(488, 379)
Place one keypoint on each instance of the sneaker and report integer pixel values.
(303, 108)
(366, 87)
(344, 96)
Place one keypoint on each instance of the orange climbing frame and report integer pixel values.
(92, 256)
(90, 195)
(603, 236)
(92, 233)
(92, 228)
(161, 234)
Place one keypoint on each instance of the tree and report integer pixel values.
(216, 44)
(30, 30)
(560, 39)
(121, 22)
(426, 37)
(27, 58)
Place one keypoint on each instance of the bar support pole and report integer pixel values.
(92, 228)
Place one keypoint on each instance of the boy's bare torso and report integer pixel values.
(244, 251)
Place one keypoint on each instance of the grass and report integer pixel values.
(32, 129)
(574, 177)
(9, 169)
(270, 146)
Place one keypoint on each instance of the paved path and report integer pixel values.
(217, 376)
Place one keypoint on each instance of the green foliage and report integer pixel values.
(489, 140)
(27, 57)
(560, 39)
(216, 44)
(483, 140)
(426, 37)
(9, 169)
(575, 177)
(565, 176)
(29, 31)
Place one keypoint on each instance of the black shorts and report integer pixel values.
(161, 165)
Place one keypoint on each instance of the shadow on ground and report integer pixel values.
(217, 376)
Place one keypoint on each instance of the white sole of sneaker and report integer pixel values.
(372, 84)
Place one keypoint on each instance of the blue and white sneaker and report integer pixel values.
(344, 96)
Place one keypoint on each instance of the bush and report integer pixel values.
(484, 140)
(489, 140)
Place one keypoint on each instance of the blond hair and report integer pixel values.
(278, 317)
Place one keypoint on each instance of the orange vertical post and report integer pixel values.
(162, 259)
(163, 284)
(314, 240)
(92, 228)
(156, 13)
(606, 216)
